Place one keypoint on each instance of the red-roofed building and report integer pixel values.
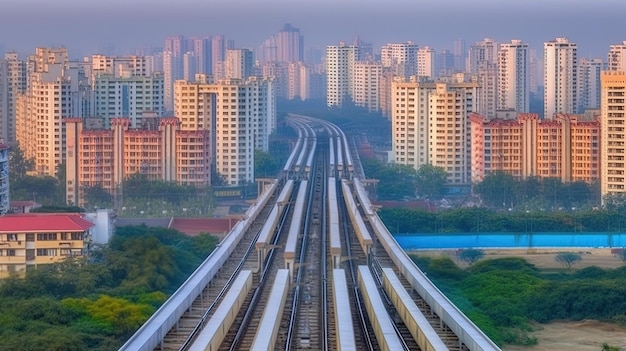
(193, 226)
(41, 238)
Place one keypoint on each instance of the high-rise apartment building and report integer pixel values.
(482, 52)
(219, 45)
(57, 89)
(12, 83)
(426, 63)
(617, 57)
(367, 80)
(130, 97)
(173, 51)
(613, 114)
(239, 64)
(401, 58)
(460, 54)
(106, 157)
(203, 54)
(4, 178)
(289, 45)
(560, 77)
(588, 76)
(125, 66)
(487, 78)
(430, 124)
(566, 147)
(513, 77)
(240, 115)
(340, 63)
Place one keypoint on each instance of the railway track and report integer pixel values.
(306, 326)
(211, 295)
(308, 319)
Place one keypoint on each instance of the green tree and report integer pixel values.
(470, 256)
(607, 347)
(19, 165)
(498, 189)
(265, 165)
(430, 181)
(97, 196)
(568, 259)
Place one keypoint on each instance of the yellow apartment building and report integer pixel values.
(34, 239)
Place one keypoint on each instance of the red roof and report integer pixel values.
(43, 222)
(195, 226)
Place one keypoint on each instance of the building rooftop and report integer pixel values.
(40, 222)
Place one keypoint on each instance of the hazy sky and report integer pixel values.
(86, 26)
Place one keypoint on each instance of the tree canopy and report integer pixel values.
(97, 302)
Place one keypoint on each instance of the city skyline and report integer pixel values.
(120, 27)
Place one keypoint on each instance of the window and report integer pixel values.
(46, 252)
(46, 237)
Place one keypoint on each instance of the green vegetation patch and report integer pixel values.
(504, 296)
(96, 303)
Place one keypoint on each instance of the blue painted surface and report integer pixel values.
(509, 240)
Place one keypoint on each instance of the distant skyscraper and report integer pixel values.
(445, 63)
(203, 55)
(513, 77)
(487, 74)
(401, 58)
(190, 65)
(460, 54)
(129, 97)
(12, 83)
(426, 62)
(367, 77)
(617, 57)
(482, 51)
(560, 77)
(239, 63)
(589, 84)
(289, 45)
(219, 45)
(173, 51)
(340, 61)
(613, 114)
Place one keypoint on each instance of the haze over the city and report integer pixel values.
(122, 26)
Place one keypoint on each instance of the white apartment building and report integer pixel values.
(485, 51)
(129, 97)
(367, 80)
(239, 63)
(589, 71)
(240, 115)
(401, 58)
(12, 83)
(560, 77)
(487, 78)
(124, 66)
(426, 62)
(340, 62)
(613, 133)
(4, 178)
(57, 89)
(617, 57)
(430, 124)
(513, 77)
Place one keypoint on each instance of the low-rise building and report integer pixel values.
(34, 239)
